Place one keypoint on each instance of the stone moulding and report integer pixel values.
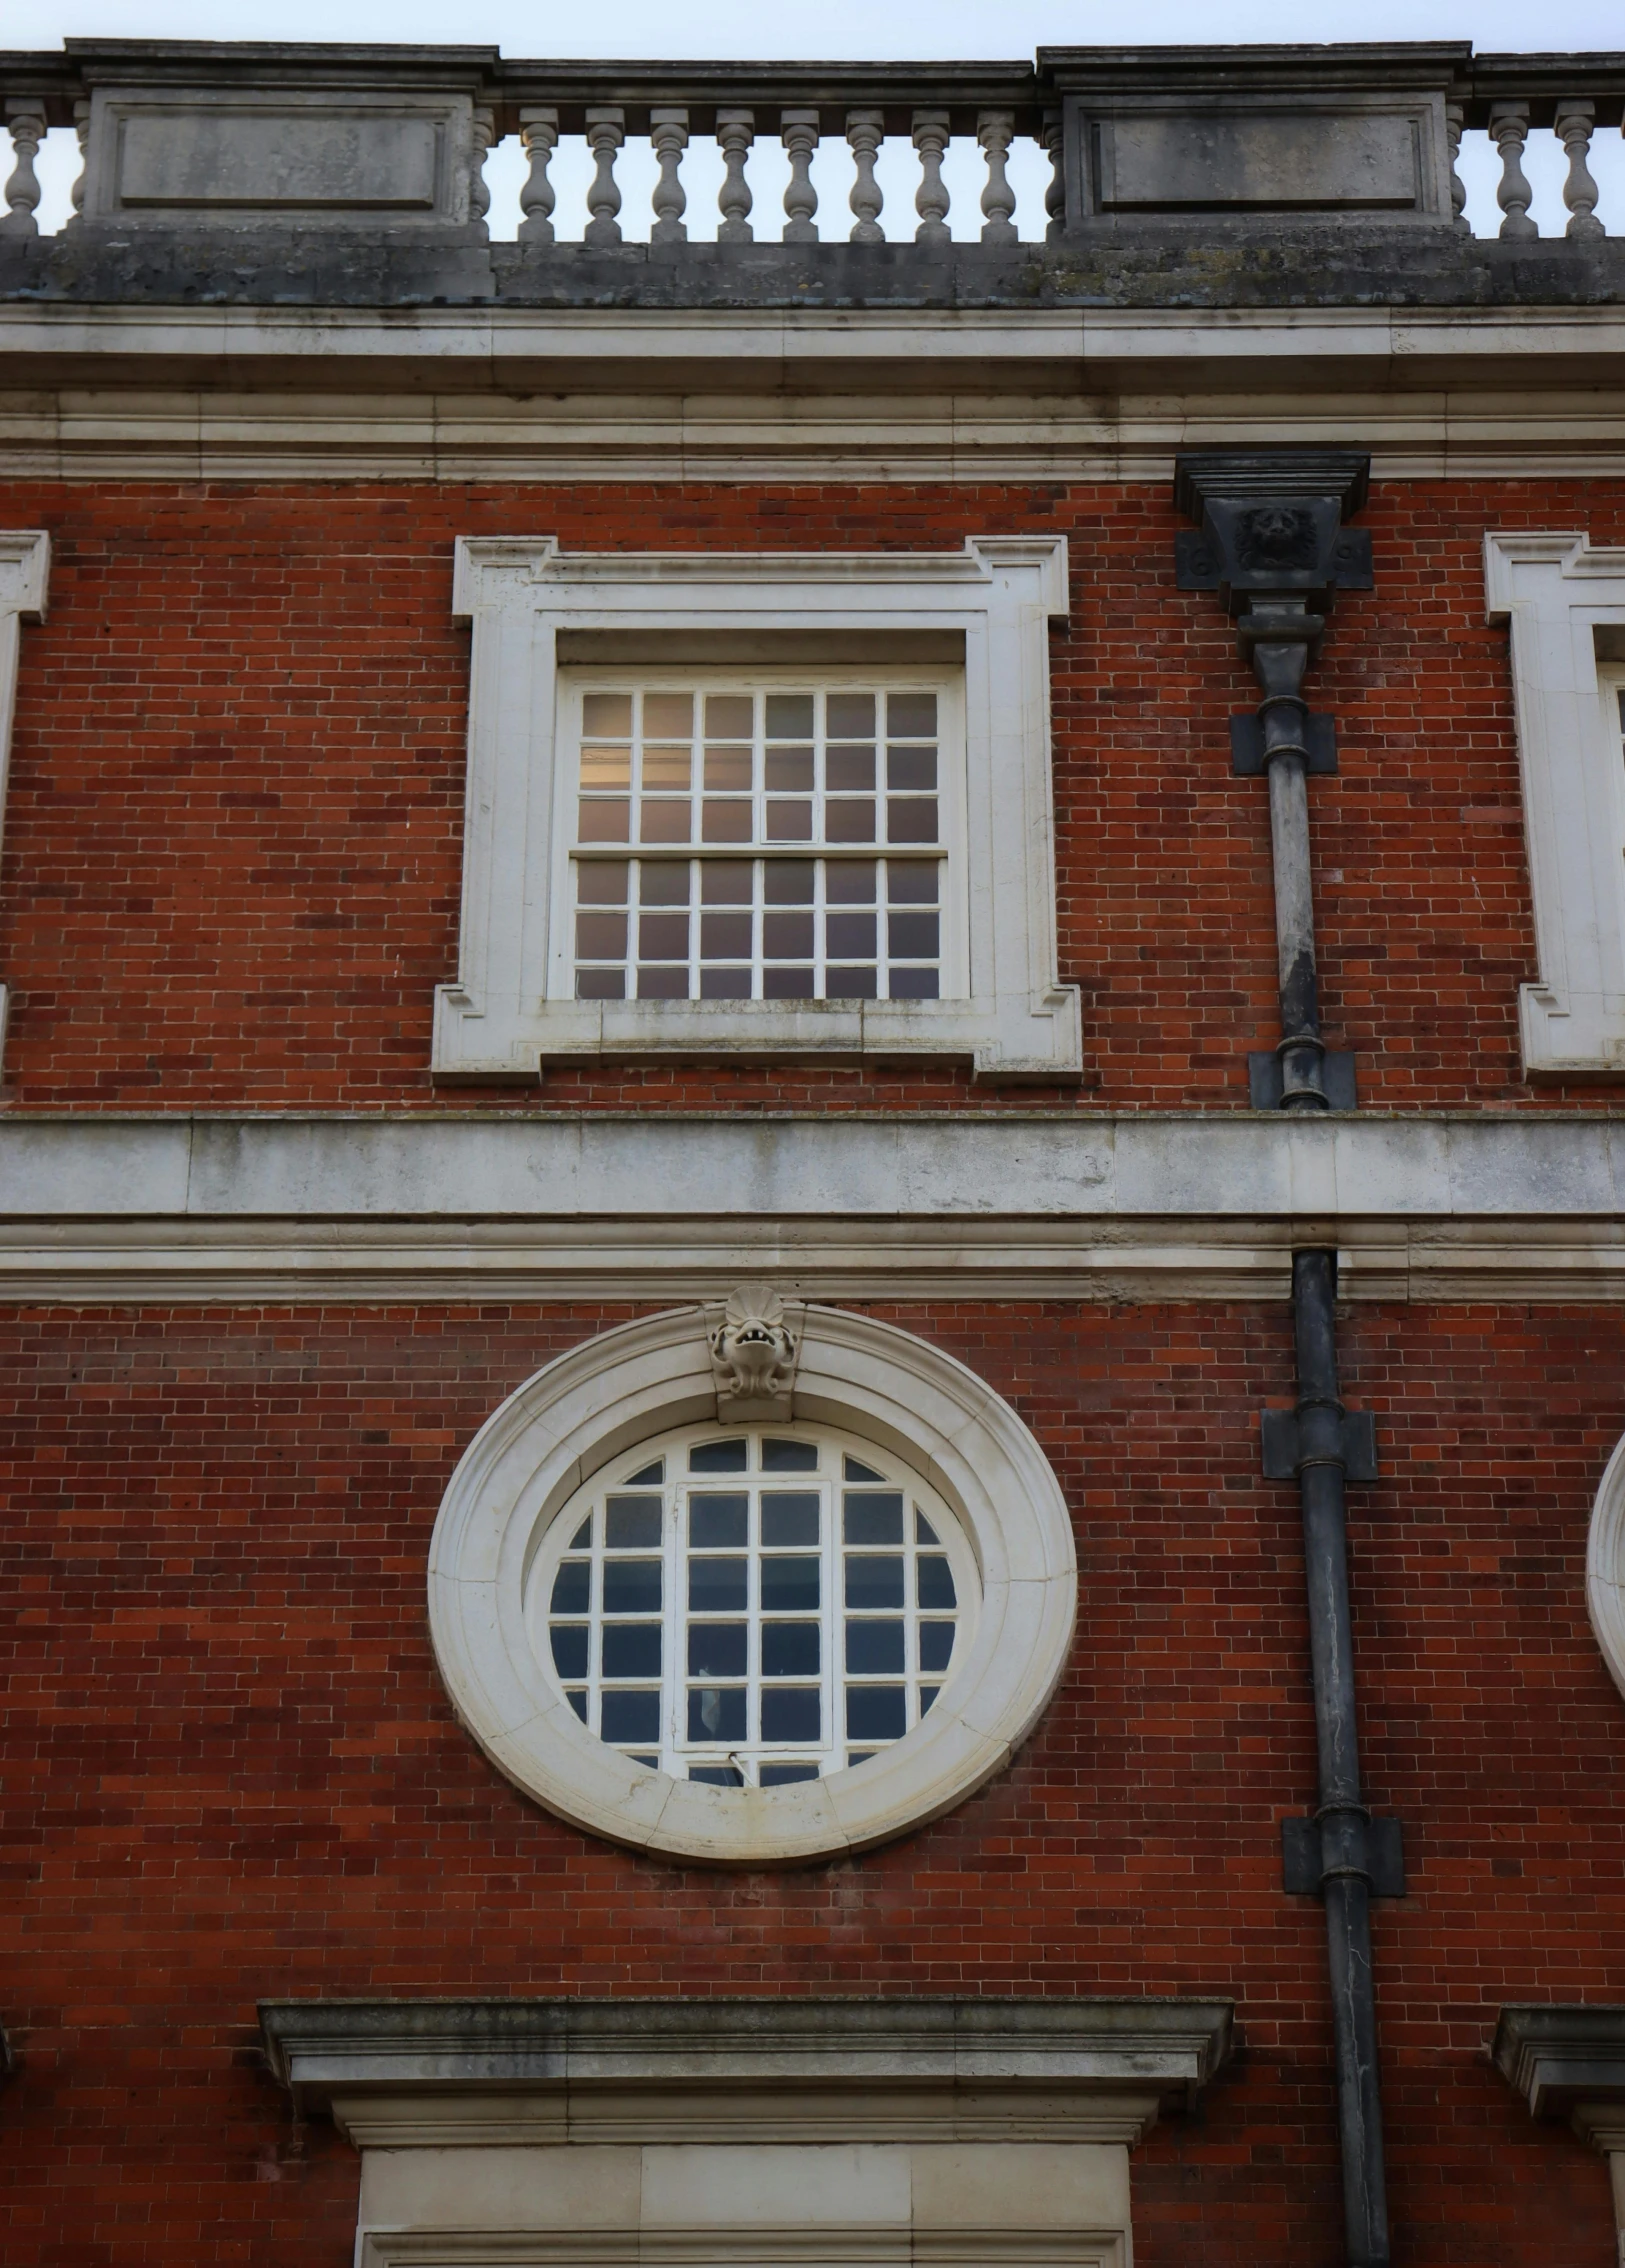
(627, 1386)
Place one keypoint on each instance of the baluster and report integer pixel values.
(931, 132)
(539, 132)
(1054, 139)
(27, 122)
(1573, 125)
(798, 130)
(81, 128)
(479, 195)
(1455, 118)
(606, 131)
(864, 131)
(668, 132)
(736, 131)
(995, 130)
(1509, 129)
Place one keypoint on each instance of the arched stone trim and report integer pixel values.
(1605, 1567)
(648, 1377)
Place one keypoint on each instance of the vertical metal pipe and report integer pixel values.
(1278, 638)
(1343, 1818)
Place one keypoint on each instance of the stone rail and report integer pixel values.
(396, 141)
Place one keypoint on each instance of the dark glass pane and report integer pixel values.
(725, 882)
(857, 1472)
(858, 1756)
(787, 984)
(875, 1712)
(936, 1585)
(789, 716)
(928, 1694)
(570, 1649)
(718, 1456)
(725, 822)
(663, 984)
(874, 1649)
(724, 984)
(785, 1775)
(664, 882)
(578, 1702)
(787, 936)
(789, 1456)
(789, 1586)
(664, 937)
(606, 715)
(673, 713)
(874, 1582)
(788, 882)
(725, 936)
(850, 882)
(716, 1712)
(716, 1586)
(606, 820)
(632, 1523)
(601, 936)
(664, 821)
(789, 822)
(789, 1649)
(851, 819)
(632, 1586)
(911, 819)
(850, 984)
(911, 768)
(629, 1716)
(850, 936)
(729, 716)
(727, 768)
(792, 1713)
(850, 771)
(631, 1649)
(716, 1649)
(850, 716)
(913, 936)
(912, 716)
(717, 1775)
(789, 1519)
(718, 1522)
(789, 769)
(582, 1539)
(936, 1645)
(871, 1519)
(572, 1588)
(602, 882)
(649, 1476)
(911, 882)
(912, 984)
(649, 1763)
(923, 1530)
(600, 984)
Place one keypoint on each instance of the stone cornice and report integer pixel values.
(1560, 2058)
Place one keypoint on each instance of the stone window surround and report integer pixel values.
(649, 1377)
(535, 608)
(1565, 601)
(737, 2131)
(25, 570)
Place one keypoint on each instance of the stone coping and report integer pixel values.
(1558, 2057)
(1167, 2047)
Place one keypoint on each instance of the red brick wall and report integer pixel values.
(232, 854)
(232, 1771)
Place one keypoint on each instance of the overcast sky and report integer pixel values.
(857, 29)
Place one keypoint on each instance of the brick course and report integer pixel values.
(232, 1771)
(233, 843)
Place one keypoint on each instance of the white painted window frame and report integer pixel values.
(25, 573)
(629, 1386)
(504, 1018)
(1564, 599)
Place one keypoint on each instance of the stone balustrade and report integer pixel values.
(394, 144)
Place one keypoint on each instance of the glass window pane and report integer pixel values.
(725, 984)
(847, 819)
(632, 1523)
(912, 716)
(582, 1539)
(629, 1716)
(872, 1518)
(936, 1645)
(601, 936)
(716, 1712)
(788, 1519)
(923, 1530)
(666, 768)
(718, 1520)
(717, 1775)
(791, 1457)
(606, 716)
(911, 819)
(719, 1456)
(671, 716)
(602, 882)
(789, 822)
(578, 1702)
(632, 1649)
(663, 936)
(928, 1694)
(600, 984)
(849, 771)
(787, 936)
(716, 1649)
(850, 882)
(789, 1649)
(789, 716)
(855, 1471)
(666, 983)
(788, 882)
(850, 716)
(572, 1587)
(787, 983)
(661, 822)
(725, 936)
(912, 882)
(911, 770)
(790, 1586)
(725, 882)
(874, 1649)
(631, 1586)
(911, 983)
(716, 1586)
(789, 771)
(874, 1582)
(606, 767)
(936, 1584)
(727, 768)
(722, 822)
(783, 1775)
(729, 716)
(875, 1712)
(569, 1641)
(606, 819)
(849, 984)
(792, 1713)
(650, 1476)
(847, 936)
(663, 882)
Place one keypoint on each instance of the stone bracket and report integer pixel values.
(1247, 745)
(1343, 1842)
(1285, 1447)
(1336, 1076)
